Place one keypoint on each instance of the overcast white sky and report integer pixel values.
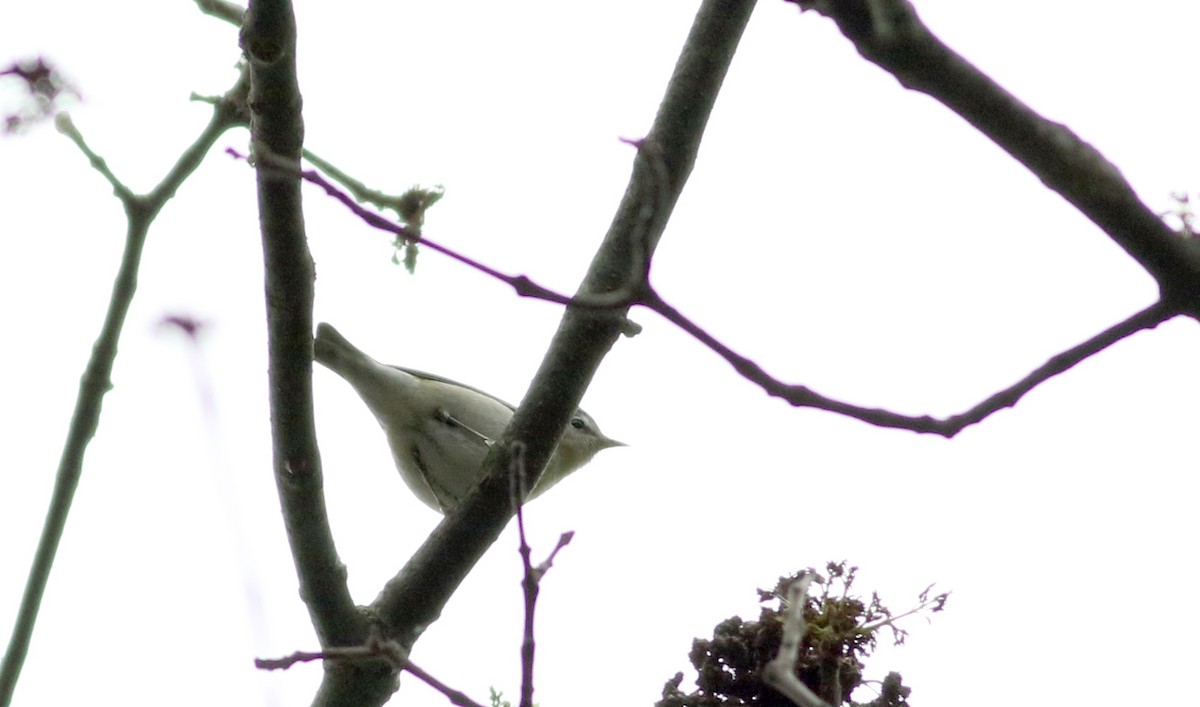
(845, 233)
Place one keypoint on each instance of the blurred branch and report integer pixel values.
(140, 211)
(889, 34)
(47, 90)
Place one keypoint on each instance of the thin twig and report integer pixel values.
(802, 396)
(374, 648)
(531, 580)
(221, 9)
(523, 285)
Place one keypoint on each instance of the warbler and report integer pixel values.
(439, 431)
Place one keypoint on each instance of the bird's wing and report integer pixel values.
(443, 379)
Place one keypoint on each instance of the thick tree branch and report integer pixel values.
(414, 598)
(268, 39)
(889, 34)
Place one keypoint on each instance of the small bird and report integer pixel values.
(440, 430)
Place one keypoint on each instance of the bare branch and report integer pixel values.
(268, 41)
(523, 285)
(889, 34)
(375, 648)
(123, 193)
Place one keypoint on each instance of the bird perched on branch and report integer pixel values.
(440, 430)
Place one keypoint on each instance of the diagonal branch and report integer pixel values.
(414, 598)
(889, 34)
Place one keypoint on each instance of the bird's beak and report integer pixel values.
(612, 443)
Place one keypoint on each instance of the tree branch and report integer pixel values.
(374, 648)
(268, 40)
(414, 598)
(802, 396)
(531, 581)
(889, 34)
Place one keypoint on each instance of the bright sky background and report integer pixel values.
(847, 234)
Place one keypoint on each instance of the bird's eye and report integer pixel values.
(578, 423)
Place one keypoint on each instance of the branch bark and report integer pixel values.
(268, 40)
(414, 598)
(889, 34)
